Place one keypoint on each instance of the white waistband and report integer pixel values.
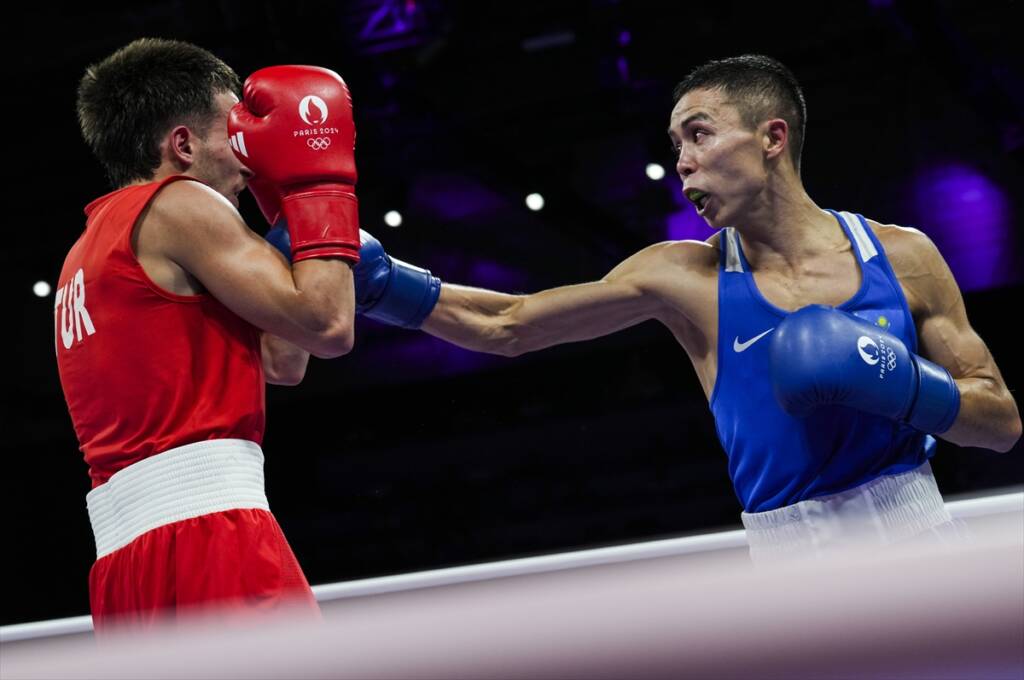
(184, 482)
(885, 510)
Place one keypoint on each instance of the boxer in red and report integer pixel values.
(170, 314)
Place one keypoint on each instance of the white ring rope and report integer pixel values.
(704, 543)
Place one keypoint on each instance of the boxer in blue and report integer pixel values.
(808, 328)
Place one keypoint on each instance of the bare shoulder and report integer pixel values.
(190, 230)
(688, 256)
(178, 217)
(917, 263)
(187, 213)
(680, 275)
(664, 262)
(901, 242)
(191, 202)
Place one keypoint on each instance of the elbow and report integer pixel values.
(287, 377)
(285, 368)
(331, 331)
(1013, 437)
(511, 349)
(509, 341)
(1005, 439)
(335, 340)
(508, 337)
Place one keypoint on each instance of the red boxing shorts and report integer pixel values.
(189, 531)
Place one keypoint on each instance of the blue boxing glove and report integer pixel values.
(387, 289)
(279, 238)
(820, 355)
(392, 291)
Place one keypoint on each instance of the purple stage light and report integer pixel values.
(488, 274)
(418, 356)
(429, 351)
(967, 215)
(622, 66)
(482, 272)
(381, 26)
(684, 223)
(687, 224)
(454, 197)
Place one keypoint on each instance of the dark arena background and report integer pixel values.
(409, 454)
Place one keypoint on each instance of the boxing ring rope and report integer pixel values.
(962, 509)
(688, 607)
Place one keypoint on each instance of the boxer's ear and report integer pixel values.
(775, 137)
(180, 147)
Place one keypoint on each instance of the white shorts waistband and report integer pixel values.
(886, 510)
(184, 482)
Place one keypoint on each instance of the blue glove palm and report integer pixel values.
(278, 237)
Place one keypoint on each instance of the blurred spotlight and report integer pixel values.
(970, 218)
(393, 218)
(655, 171)
(41, 289)
(534, 202)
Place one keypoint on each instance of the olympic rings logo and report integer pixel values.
(891, 361)
(318, 143)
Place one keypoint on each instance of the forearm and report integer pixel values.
(510, 325)
(322, 305)
(988, 416)
(284, 363)
(473, 318)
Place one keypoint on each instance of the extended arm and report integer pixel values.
(510, 325)
(638, 289)
(400, 294)
(394, 292)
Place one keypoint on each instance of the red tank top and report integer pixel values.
(144, 370)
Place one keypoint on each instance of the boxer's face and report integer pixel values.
(720, 159)
(215, 162)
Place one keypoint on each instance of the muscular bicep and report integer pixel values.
(945, 335)
(205, 235)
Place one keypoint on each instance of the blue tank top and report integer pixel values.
(776, 459)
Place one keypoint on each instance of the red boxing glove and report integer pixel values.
(268, 198)
(294, 130)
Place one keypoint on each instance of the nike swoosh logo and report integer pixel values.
(738, 346)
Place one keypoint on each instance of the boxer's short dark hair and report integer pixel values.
(760, 87)
(128, 101)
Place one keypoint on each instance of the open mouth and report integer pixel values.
(698, 198)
